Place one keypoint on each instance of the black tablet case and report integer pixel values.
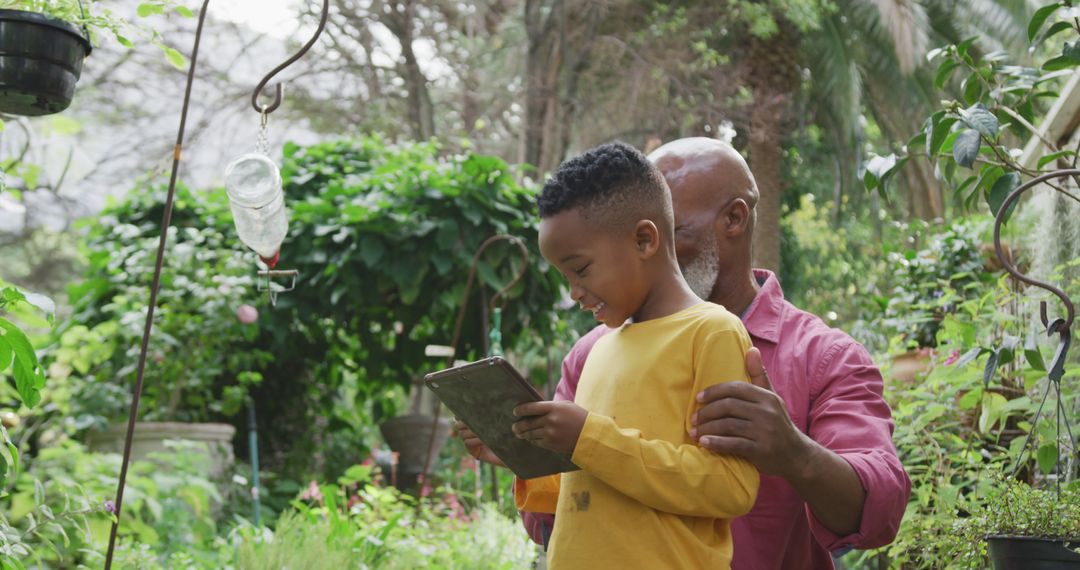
(483, 395)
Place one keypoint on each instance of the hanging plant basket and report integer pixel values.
(1028, 553)
(40, 61)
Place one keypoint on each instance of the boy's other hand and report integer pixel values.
(475, 447)
(551, 425)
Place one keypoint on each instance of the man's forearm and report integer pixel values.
(830, 486)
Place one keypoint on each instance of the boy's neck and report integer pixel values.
(668, 295)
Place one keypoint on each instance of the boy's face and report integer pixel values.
(602, 265)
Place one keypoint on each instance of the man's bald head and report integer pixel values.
(714, 196)
(706, 165)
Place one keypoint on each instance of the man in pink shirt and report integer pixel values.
(819, 432)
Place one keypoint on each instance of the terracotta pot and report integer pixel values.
(908, 366)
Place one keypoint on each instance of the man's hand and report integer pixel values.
(551, 425)
(751, 421)
(476, 448)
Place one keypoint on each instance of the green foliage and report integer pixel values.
(58, 515)
(201, 362)
(965, 423)
(359, 523)
(928, 283)
(975, 140)
(383, 237)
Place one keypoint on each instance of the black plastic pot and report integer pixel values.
(40, 62)
(1029, 553)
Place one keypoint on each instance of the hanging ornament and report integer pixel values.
(253, 185)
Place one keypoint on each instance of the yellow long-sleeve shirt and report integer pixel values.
(648, 496)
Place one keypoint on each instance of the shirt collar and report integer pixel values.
(762, 317)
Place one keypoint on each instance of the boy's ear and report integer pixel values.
(646, 238)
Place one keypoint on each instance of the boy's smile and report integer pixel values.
(599, 263)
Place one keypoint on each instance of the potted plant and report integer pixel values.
(43, 44)
(41, 55)
(202, 360)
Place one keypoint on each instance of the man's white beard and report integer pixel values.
(702, 272)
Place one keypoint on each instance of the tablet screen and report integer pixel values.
(483, 395)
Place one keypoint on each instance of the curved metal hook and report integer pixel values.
(1058, 326)
(267, 109)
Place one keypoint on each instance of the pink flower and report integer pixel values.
(952, 358)
(312, 493)
(247, 314)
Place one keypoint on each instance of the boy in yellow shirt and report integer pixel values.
(647, 495)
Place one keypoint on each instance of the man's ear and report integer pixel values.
(646, 238)
(735, 219)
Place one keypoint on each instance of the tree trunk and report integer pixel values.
(542, 67)
(773, 77)
(399, 20)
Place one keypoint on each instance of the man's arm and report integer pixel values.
(845, 469)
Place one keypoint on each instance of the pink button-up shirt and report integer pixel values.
(833, 393)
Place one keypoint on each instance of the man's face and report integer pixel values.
(601, 265)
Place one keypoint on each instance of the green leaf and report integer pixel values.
(1039, 18)
(991, 367)
(1031, 353)
(1047, 456)
(970, 399)
(966, 148)
(184, 11)
(973, 89)
(945, 71)
(7, 354)
(968, 357)
(1055, 29)
(149, 9)
(1054, 156)
(979, 118)
(175, 58)
(963, 47)
(1000, 191)
(938, 131)
(25, 368)
(124, 41)
(992, 404)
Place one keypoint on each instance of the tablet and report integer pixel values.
(483, 395)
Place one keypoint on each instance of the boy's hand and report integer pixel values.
(475, 447)
(551, 425)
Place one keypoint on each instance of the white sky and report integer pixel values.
(274, 17)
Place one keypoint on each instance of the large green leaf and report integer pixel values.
(966, 147)
(979, 118)
(1000, 191)
(1039, 18)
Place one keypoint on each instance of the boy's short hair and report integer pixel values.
(613, 185)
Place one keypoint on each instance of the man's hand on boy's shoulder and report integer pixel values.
(551, 425)
(475, 447)
(751, 421)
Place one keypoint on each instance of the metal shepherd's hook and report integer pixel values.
(1059, 326)
(166, 221)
